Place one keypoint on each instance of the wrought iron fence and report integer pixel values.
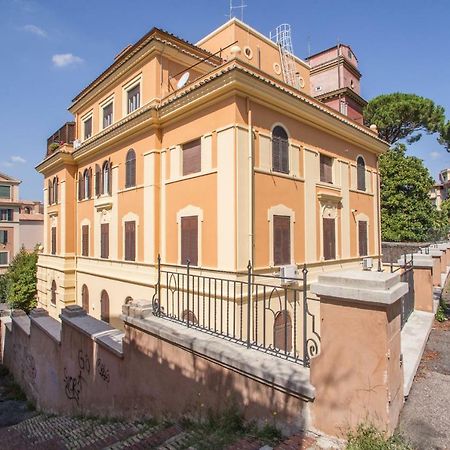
(407, 276)
(260, 311)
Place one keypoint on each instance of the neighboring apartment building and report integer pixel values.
(440, 191)
(230, 166)
(335, 80)
(21, 221)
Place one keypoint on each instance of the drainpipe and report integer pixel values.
(250, 181)
(379, 213)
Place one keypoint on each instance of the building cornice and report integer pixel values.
(343, 91)
(337, 61)
(56, 161)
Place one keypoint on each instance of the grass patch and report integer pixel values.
(368, 437)
(219, 430)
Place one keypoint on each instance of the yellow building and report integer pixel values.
(204, 152)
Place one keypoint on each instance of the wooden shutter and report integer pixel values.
(55, 190)
(85, 298)
(282, 331)
(189, 240)
(281, 240)
(192, 157)
(50, 195)
(326, 165)
(276, 165)
(85, 240)
(329, 239)
(361, 174)
(104, 307)
(362, 237)
(130, 241)
(104, 240)
(98, 180)
(130, 169)
(109, 177)
(53, 249)
(89, 192)
(284, 149)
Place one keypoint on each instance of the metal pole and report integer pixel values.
(187, 289)
(305, 316)
(159, 285)
(249, 306)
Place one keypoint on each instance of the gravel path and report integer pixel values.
(425, 416)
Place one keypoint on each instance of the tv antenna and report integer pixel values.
(234, 7)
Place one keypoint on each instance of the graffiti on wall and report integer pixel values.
(73, 384)
(102, 370)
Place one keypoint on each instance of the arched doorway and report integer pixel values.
(85, 298)
(104, 306)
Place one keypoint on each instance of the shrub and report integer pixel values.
(368, 437)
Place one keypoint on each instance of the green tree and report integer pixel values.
(21, 281)
(406, 211)
(401, 116)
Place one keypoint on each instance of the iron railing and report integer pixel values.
(406, 276)
(260, 311)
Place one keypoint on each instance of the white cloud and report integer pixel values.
(35, 30)
(65, 59)
(13, 161)
(435, 155)
(18, 159)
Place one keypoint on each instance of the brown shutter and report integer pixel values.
(284, 155)
(50, 195)
(281, 240)
(189, 240)
(192, 159)
(326, 165)
(362, 237)
(329, 239)
(104, 307)
(104, 240)
(53, 250)
(98, 180)
(85, 240)
(55, 191)
(276, 154)
(130, 241)
(109, 177)
(361, 174)
(89, 193)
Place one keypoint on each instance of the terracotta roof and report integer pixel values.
(9, 178)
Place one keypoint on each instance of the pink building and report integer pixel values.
(335, 80)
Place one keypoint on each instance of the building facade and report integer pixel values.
(336, 80)
(440, 191)
(202, 153)
(21, 221)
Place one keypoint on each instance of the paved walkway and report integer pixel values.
(425, 417)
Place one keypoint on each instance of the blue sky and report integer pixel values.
(51, 49)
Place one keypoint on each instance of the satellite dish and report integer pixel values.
(183, 80)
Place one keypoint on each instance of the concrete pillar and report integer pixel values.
(358, 375)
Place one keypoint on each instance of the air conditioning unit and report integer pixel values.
(76, 143)
(288, 274)
(367, 263)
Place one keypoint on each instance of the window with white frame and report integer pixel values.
(3, 258)
(5, 191)
(3, 237)
(107, 112)
(6, 215)
(87, 127)
(133, 98)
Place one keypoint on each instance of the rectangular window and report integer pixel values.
(3, 237)
(108, 115)
(3, 258)
(87, 125)
(192, 157)
(6, 215)
(326, 169)
(53, 249)
(5, 191)
(281, 240)
(85, 240)
(329, 239)
(362, 237)
(130, 241)
(189, 240)
(133, 99)
(104, 241)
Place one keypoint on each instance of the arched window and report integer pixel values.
(55, 190)
(130, 169)
(188, 314)
(98, 180)
(280, 150)
(282, 331)
(104, 306)
(361, 173)
(50, 193)
(85, 298)
(106, 178)
(53, 293)
(87, 184)
(80, 186)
